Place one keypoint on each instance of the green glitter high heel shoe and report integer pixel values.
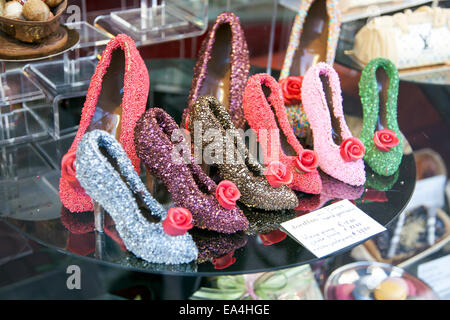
(380, 132)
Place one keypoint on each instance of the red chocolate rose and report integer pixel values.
(224, 261)
(68, 169)
(385, 139)
(306, 161)
(292, 89)
(272, 237)
(352, 149)
(277, 174)
(186, 122)
(227, 194)
(178, 221)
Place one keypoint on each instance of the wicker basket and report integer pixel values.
(33, 31)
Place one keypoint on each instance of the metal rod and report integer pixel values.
(99, 217)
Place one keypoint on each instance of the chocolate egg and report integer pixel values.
(53, 3)
(391, 289)
(36, 10)
(12, 10)
(344, 291)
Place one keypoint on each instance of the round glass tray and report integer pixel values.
(262, 248)
(29, 202)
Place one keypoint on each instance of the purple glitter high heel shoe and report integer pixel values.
(172, 163)
(222, 68)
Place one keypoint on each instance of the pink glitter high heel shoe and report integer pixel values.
(340, 154)
(189, 186)
(222, 68)
(114, 103)
(265, 113)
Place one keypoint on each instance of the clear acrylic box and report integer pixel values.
(24, 172)
(73, 70)
(16, 87)
(158, 21)
(25, 121)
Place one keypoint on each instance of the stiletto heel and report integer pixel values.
(150, 182)
(99, 217)
(108, 176)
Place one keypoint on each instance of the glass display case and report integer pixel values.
(41, 101)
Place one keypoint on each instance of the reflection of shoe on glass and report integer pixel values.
(265, 113)
(264, 221)
(380, 132)
(212, 245)
(340, 154)
(222, 68)
(108, 176)
(272, 237)
(189, 186)
(379, 182)
(332, 189)
(313, 39)
(234, 160)
(81, 222)
(116, 98)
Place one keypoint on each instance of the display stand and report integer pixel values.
(155, 23)
(73, 71)
(46, 221)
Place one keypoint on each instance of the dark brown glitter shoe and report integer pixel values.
(214, 123)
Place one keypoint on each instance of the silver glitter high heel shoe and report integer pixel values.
(108, 177)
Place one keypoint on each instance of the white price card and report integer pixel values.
(436, 273)
(332, 228)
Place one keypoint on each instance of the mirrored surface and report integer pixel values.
(30, 203)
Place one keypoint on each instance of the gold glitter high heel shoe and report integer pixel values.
(222, 145)
(314, 37)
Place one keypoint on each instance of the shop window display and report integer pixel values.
(169, 140)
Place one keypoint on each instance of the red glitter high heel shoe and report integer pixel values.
(222, 68)
(265, 113)
(116, 98)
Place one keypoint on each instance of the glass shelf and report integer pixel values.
(46, 221)
(73, 71)
(149, 24)
(66, 74)
(366, 11)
